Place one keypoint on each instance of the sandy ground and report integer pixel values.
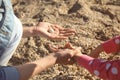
(95, 21)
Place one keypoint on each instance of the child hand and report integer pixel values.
(65, 54)
(95, 53)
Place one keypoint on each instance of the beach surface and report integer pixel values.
(95, 21)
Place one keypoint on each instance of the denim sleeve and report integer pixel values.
(9, 73)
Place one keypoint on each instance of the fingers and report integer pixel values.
(56, 37)
(65, 31)
(60, 37)
(59, 27)
(69, 46)
(52, 48)
(66, 34)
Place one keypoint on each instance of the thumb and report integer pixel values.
(69, 46)
(52, 48)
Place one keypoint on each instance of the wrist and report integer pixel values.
(34, 31)
(53, 57)
(27, 31)
(77, 56)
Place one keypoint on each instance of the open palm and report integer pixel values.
(52, 31)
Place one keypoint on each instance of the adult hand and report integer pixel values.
(52, 31)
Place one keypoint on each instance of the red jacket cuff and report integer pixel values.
(112, 45)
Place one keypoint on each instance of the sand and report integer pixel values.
(95, 21)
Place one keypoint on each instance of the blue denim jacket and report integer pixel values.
(10, 35)
(7, 26)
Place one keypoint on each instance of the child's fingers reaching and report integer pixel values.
(69, 46)
(52, 48)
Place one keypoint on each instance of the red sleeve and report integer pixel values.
(112, 45)
(108, 70)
